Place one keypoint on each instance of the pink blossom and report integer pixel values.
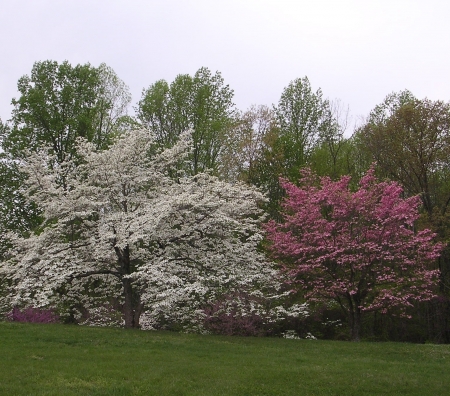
(358, 248)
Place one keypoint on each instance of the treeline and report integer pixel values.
(408, 139)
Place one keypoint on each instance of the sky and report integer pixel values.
(357, 51)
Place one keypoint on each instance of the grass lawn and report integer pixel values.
(74, 360)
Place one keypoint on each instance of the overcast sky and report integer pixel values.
(355, 50)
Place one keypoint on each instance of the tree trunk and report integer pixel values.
(128, 309)
(131, 307)
(355, 323)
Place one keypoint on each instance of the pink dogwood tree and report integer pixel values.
(357, 248)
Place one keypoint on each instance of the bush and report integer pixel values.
(234, 317)
(33, 315)
(246, 314)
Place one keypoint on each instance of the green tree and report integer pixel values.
(202, 103)
(302, 120)
(410, 141)
(332, 154)
(303, 117)
(16, 213)
(60, 102)
(246, 143)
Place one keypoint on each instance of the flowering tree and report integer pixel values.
(127, 225)
(357, 248)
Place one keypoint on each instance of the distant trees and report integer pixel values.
(410, 141)
(356, 248)
(295, 129)
(303, 116)
(201, 103)
(60, 102)
(333, 153)
(246, 144)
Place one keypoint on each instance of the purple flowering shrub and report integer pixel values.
(33, 315)
(235, 314)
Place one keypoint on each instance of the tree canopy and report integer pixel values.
(201, 103)
(410, 141)
(59, 103)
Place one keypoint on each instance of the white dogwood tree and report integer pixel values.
(127, 225)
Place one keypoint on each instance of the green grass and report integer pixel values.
(72, 360)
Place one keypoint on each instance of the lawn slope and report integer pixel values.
(75, 360)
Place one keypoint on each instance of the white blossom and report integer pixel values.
(126, 225)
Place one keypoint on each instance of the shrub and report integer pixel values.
(33, 315)
(234, 315)
(246, 314)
